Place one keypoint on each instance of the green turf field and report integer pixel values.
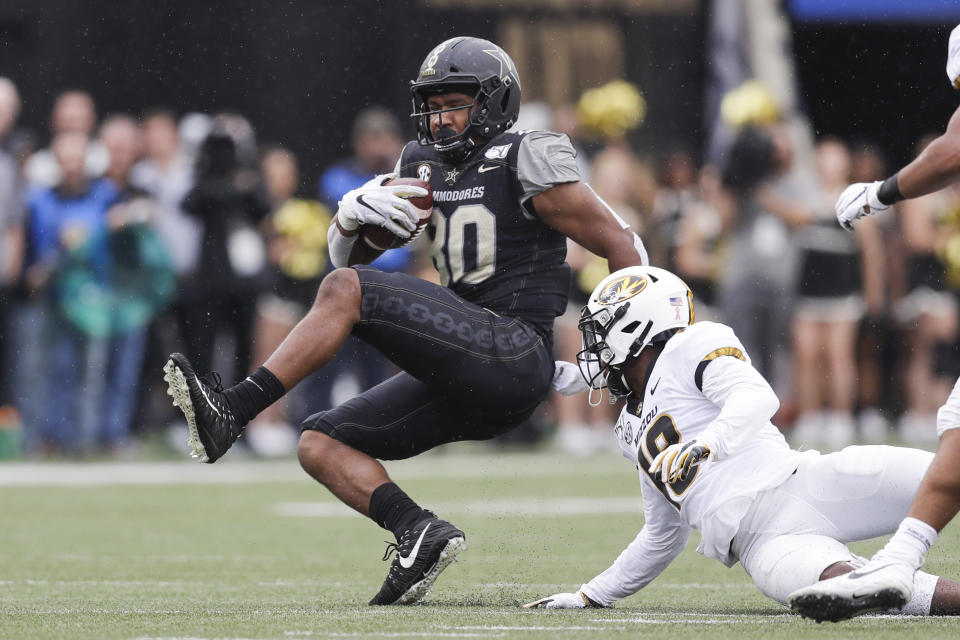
(257, 550)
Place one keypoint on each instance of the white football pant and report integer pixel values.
(796, 530)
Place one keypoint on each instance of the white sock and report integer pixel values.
(923, 586)
(910, 543)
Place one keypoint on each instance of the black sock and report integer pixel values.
(393, 509)
(252, 395)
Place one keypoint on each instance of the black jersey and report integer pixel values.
(487, 242)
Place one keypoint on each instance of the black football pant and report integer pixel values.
(468, 373)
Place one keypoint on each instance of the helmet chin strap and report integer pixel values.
(616, 389)
(599, 398)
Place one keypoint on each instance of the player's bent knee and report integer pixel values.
(836, 569)
(782, 564)
(314, 448)
(340, 287)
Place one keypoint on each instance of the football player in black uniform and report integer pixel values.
(476, 353)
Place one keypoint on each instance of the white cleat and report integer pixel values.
(879, 585)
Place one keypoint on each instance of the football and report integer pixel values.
(380, 239)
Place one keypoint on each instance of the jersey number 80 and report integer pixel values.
(449, 244)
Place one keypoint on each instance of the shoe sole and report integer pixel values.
(832, 608)
(447, 556)
(177, 388)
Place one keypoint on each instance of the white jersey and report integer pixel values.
(702, 380)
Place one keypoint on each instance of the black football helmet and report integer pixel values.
(476, 67)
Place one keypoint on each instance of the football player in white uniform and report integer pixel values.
(697, 426)
(888, 577)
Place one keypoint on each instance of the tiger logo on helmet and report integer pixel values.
(622, 289)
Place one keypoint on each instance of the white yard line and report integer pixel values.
(532, 507)
(390, 634)
(478, 464)
(72, 474)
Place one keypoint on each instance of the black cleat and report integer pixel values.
(213, 427)
(423, 552)
(834, 608)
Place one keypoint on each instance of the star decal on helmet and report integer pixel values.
(500, 56)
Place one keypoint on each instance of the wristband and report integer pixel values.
(349, 233)
(889, 191)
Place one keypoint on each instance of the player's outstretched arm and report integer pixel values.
(663, 537)
(937, 166)
(644, 559)
(576, 211)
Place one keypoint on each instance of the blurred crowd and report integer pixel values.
(127, 237)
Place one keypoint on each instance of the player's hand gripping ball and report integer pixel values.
(380, 238)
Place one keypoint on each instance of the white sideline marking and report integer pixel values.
(236, 469)
(73, 474)
(381, 634)
(677, 621)
(542, 507)
(535, 628)
(334, 634)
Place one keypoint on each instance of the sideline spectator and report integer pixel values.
(11, 224)
(691, 217)
(841, 275)
(228, 199)
(878, 343)
(73, 111)
(54, 353)
(296, 233)
(141, 281)
(166, 173)
(757, 286)
(376, 144)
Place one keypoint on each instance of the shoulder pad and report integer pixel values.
(705, 342)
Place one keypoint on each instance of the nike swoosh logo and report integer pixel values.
(407, 562)
(363, 202)
(484, 168)
(653, 389)
(860, 574)
(854, 198)
(204, 394)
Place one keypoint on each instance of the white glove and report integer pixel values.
(953, 58)
(567, 379)
(678, 461)
(562, 601)
(381, 205)
(948, 416)
(856, 201)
